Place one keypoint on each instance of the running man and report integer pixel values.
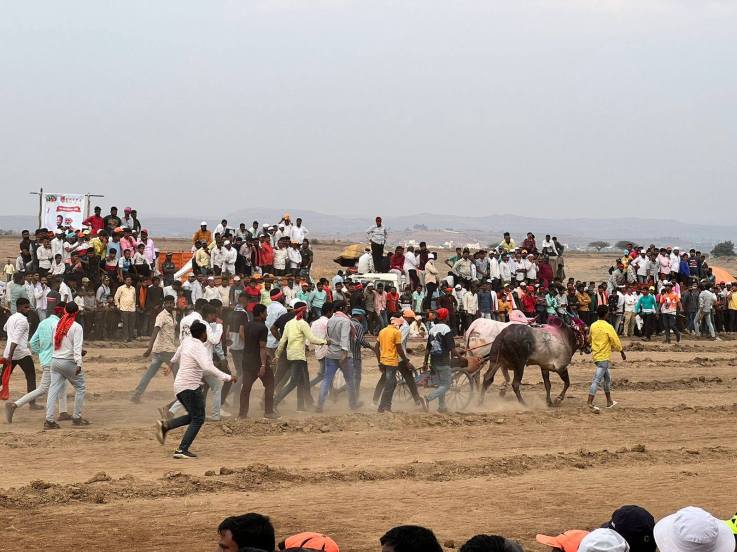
(16, 351)
(42, 343)
(66, 365)
(603, 340)
(195, 361)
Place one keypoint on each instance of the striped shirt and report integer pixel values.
(360, 341)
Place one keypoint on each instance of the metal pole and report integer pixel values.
(89, 195)
(40, 195)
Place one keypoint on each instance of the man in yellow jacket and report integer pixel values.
(603, 340)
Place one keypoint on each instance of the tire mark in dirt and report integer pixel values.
(102, 488)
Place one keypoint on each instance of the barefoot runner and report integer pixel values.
(603, 340)
(195, 361)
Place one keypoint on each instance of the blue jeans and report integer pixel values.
(690, 321)
(157, 359)
(63, 370)
(331, 368)
(601, 377)
(193, 402)
(443, 373)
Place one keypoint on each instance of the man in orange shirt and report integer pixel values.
(202, 235)
(390, 350)
(670, 302)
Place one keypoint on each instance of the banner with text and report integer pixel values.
(62, 210)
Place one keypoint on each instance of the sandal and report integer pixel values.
(80, 422)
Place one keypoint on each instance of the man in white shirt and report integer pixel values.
(196, 289)
(16, 351)
(377, 236)
(230, 255)
(66, 292)
(365, 263)
(211, 292)
(222, 227)
(630, 300)
(217, 258)
(195, 362)
(66, 365)
(40, 291)
(298, 232)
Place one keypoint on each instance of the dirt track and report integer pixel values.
(496, 469)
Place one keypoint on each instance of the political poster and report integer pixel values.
(62, 210)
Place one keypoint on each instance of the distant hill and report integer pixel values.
(438, 228)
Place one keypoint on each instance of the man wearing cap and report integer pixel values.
(439, 349)
(603, 540)
(567, 542)
(202, 235)
(635, 525)
(693, 530)
(603, 339)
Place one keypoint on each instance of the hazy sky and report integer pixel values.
(540, 108)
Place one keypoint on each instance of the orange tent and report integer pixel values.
(722, 275)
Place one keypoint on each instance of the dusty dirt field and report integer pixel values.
(499, 468)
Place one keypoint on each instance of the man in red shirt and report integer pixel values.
(253, 294)
(95, 222)
(392, 302)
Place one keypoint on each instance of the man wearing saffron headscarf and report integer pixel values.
(66, 365)
(42, 342)
(294, 338)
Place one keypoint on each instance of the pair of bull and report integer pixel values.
(511, 346)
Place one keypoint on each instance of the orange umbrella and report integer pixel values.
(722, 275)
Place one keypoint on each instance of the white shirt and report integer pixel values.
(211, 292)
(220, 229)
(65, 291)
(229, 258)
(531, 269)
(58, 268)
(17, 330)
(196, 291)
(71, 345)
(365, 264)
(494, 271)
(505, 271)
(295, 257)
(410, 261)
(630, 300)
(57, 247)
(44, 256)
(194, 361)
(299, 233)
(471, 303)
(213, 334)
(280, 258)
(40, 292)
(217, 257)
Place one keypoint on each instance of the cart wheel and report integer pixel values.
(461, 392)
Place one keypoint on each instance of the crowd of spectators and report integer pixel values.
(630, 529)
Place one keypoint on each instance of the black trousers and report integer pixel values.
(408, 378)
(377, 252)
(429, 290)
(193, 402)
(29, 370)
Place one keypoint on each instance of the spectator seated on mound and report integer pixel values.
(604, 540)
(309, 542)
(566, 542)
(636, 525)
(491, 543)
(409, 538)
(249, 532)
(693, 530)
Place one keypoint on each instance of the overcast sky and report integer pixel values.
(547, 108)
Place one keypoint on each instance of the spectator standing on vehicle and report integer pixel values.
(377, 236)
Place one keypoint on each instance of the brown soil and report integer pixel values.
(498, 468)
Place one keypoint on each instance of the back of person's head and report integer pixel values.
(71, 307)
(197, 329)
(602, 311)
(199, 304)
(410, 538)
(207, 310)
(217, 303)
(327, 308)
(259, 309)
(490, 543)
(250, 531)
(22, 302)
